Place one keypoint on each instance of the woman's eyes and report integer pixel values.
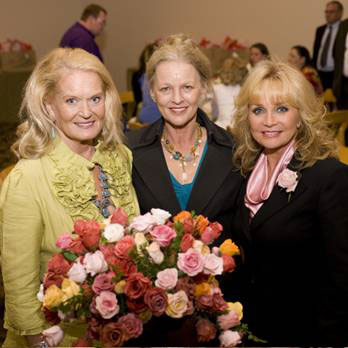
(188, 88)
(70, 101)
(282, 108)
(258, 110)
(164, 89)
(96, 99)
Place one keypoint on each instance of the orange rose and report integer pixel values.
(201, 223)
(202, 289)
(229, 248)
(182, 216)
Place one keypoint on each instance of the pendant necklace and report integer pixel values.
(184, 159)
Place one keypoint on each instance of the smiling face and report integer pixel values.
(177, 89)
(78, 107)
(273, 124)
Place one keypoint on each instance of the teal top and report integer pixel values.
(183, 191)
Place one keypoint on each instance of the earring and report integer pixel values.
(298, 125)
(53, 133)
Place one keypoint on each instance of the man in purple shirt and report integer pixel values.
(82, 34)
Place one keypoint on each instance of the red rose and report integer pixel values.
(188, 225)
(186, 242)
(219, 304)
(82, 342)
(58, 265)
(229, 263)
(89, 231)
(124, 246)
(126, 266)
(156, 299)
(52, 279)
(217, 229)
(113, 335)
(103, 282)
(132, 324)
(185, 284)
(119, 216)
(51, 317)
(205, 302)
(206, 330)
(136, 306)
(136, 285)
(108, 252)
(77, 247)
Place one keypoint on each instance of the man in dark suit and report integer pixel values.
(324, 43)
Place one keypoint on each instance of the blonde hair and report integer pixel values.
(35, 131)
(233, 71)
(179, 47)
(281, 83)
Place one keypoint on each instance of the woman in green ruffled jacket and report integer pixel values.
(72, 166)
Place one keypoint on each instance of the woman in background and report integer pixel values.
(300, 58)
(258, 52)
(72, 166)
(293, 219)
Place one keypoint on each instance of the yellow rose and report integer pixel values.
(145, 316)
(202, 289)
(119, 287)
(237, 307)
(177, 304)
(70, 289)
(229, 248)
(53, 297)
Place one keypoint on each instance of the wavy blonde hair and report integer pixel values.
(281, 83)
(34, 133)
(233, 71)
(179, 47)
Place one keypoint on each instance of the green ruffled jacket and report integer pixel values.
(39, 201)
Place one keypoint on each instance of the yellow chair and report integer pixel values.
(342, 148)
(4, 173)
(128, 103)
(133, 123)
(336, 118)
(329, 96)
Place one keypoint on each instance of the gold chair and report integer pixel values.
(329, 96)
(133, 123)
(342, 148)
(128, 103)
(4, 173)
(336, 118)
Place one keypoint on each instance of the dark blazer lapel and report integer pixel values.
(213, 171)
(279, 199)
(244, 213)
(158, 180)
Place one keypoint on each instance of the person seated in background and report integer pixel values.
(292, 218)
(82, 34)
(300, 58)
(72, 166)
(226, 87)
(258, 52)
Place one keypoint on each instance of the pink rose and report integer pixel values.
(288, 179)
(103, 282)
(229, 263)
(163, 235)
(95, 263)
(191, 262)
(186, 242)
(213, 264)
(106, 304)
(230, 338)
(143, 222)
(53, 336)
(64, 241)
(156, 300)
(219, 304)
(76, 246)
(206, 330)
(89, 231)
(77, 272)
(217, 229)
(167, 278)
(229, 320)
(132, 324)
(119, 216)
(124, 246)
(207, 236)
(58, 265)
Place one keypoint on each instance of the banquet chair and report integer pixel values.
(342, 148)
(329, 99)
(336, 118)
(4, 173)
(128, 103)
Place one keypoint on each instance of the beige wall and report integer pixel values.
(133, 23)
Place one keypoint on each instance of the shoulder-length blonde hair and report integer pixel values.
(179, 47)
(34, 134)
(281, 83)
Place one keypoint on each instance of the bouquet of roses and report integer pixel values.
(116, 275)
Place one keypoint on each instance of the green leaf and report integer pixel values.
(70, 256)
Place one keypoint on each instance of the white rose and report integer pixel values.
(53, 336)
(229, 338)
(143, 222)
(40, 295)
(155, 253)
(113, 232)
(140, 241)
(213, 264)
(77, 272)
(160, 215)
(95, 263)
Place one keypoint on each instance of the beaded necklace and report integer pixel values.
(184, 159)
(104, 202)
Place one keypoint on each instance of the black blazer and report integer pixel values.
(317, 41)
(297, 252)
(217, 184)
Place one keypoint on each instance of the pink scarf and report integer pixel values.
(259, 188)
